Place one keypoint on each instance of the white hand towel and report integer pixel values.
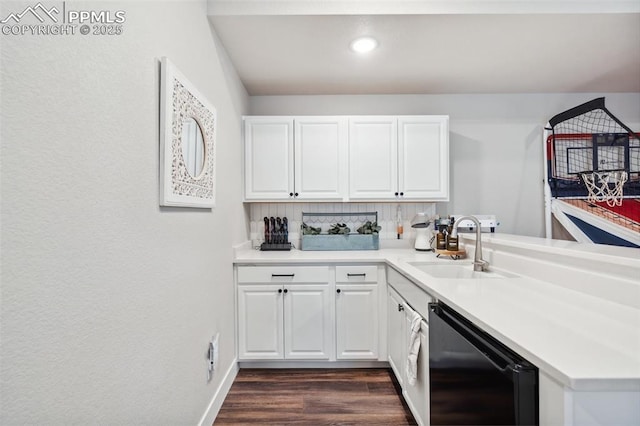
(414, 349)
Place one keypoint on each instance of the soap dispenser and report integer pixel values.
(399, 227)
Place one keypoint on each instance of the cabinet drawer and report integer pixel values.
(417, 298)
(283, 274)
(357, 274)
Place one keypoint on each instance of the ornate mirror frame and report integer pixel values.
(179, 101)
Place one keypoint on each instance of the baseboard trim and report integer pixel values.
(218, 398)
(313, 364)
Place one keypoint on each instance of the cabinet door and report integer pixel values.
(320, 158)
(395, 334)
(417, 395)
(308, 320)
(373, 158)
(268, 158)
(357, 321)
(423, 157)
(260, 321)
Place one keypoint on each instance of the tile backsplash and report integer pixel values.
(293, 212)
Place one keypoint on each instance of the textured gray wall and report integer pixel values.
(108, 300)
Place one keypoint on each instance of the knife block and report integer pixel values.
(275, 247)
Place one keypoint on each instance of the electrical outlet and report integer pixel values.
(213, 356)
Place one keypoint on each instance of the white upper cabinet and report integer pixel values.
(372, 158)
(399, 158)
(268, 157)
(423, 158)
(295, 158)
(320, 158)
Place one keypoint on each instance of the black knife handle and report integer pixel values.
(267, 238)
(273, 229)
(285, 229)
(278, 230)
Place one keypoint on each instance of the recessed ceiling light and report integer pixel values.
(364, 44)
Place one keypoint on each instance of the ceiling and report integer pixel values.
(296, 48)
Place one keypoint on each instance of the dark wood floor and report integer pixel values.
(314, 397)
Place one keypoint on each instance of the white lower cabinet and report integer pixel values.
(260, 321)
(400, 311)
(417, 394)
(308, 321)
(315, 313)
(395, 334)
(285, 313)
(357, 325)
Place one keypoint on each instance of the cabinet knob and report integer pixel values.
(279, 290)
(286, 291)
(402, 194)
(396, 194)
(338, 291)
(291, 194)
(400, 308)
(296, 194)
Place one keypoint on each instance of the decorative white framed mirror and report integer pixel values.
(187, 142)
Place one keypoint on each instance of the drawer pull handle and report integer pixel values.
(283, 275)
(400, 308)
(357, 275)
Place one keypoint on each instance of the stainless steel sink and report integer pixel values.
(457, 270)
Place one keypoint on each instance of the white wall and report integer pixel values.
(496, 143)
(108, 300)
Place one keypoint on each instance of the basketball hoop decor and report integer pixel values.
(592, 177)
(605, 186)
(592, 155)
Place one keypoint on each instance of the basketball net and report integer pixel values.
(605, 186)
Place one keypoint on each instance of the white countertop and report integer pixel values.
(583, 341)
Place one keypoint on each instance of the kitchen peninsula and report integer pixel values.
(573, 310)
